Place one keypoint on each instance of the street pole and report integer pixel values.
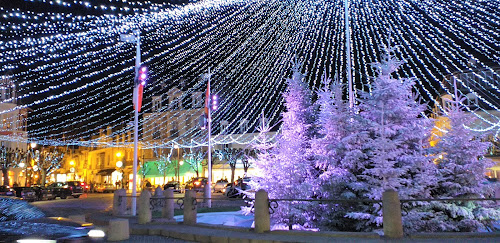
(209, 194)
(348, 53)
(177, 172)
(136, 118)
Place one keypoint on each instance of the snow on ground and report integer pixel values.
(223, 218)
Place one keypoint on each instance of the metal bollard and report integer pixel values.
(262, 217)
(391, 209)
(190, 207)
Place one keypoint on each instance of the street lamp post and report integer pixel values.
(135, 38)
(119, 165)
(211, 104)
(28, 162)
(177, 171)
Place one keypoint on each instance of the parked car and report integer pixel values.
(42, 193)
(65, 189)
(197, 183)
(85, 187)
(103, 188)
(174, 185)
(239, 188)
(22, 221)
(25, 193)
(7, 191)
(220, 185)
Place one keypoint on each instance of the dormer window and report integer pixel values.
(471, 100)
(243, 126)
(263, 120)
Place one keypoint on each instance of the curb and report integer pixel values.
(454, 235)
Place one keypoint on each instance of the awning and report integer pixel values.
(152, 169)
(105, 172)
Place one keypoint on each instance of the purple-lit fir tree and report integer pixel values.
(461, 169)
(336, 124)
(286, 171)
(392, 153)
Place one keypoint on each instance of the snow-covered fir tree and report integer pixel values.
(392, 155)
(461, 174)
(336, 123)
(287, 171)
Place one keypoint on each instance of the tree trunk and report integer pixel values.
(43, 175)
(5, 173)
(233, 168)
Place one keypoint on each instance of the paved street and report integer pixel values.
(87, 203)
(90, 203)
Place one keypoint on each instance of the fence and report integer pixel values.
(263, 207)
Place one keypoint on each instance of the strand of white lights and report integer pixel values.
(458, 68)
(251, 49)
(221, 113)
(451, 92)
(390, 30)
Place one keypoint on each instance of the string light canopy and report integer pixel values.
(71, 70)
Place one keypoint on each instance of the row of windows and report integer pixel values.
(176, 103)
(477, 80)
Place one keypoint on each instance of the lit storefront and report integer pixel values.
(158, 179)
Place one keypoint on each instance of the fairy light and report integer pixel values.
(72, 69)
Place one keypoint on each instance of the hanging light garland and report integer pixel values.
(70, 68)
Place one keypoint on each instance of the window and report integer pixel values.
(156, 103)
(175, 130)
(224, 126)
(197, 101)
(243, 126)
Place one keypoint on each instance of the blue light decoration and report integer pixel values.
(70, 68)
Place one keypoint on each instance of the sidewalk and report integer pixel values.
(217, 233)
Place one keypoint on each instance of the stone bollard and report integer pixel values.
(168, 209)
(190, 207)
(77, 217)
(119, 202)
(391, 209)
(118, 230)
(262, 217)
(158, 196)
(158, 192)
(497, 194)
(145, 215)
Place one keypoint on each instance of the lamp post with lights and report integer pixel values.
(211, 104)
(139, 82)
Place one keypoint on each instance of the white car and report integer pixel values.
(220, 186)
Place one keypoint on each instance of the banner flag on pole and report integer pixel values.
(138, 92)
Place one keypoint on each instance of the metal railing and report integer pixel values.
(158, 203)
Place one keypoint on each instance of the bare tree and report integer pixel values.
(246, 161)
(164, 163)
(8, 158)
(47, 161)
(194, 159)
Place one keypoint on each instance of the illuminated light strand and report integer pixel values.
(288, 38)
